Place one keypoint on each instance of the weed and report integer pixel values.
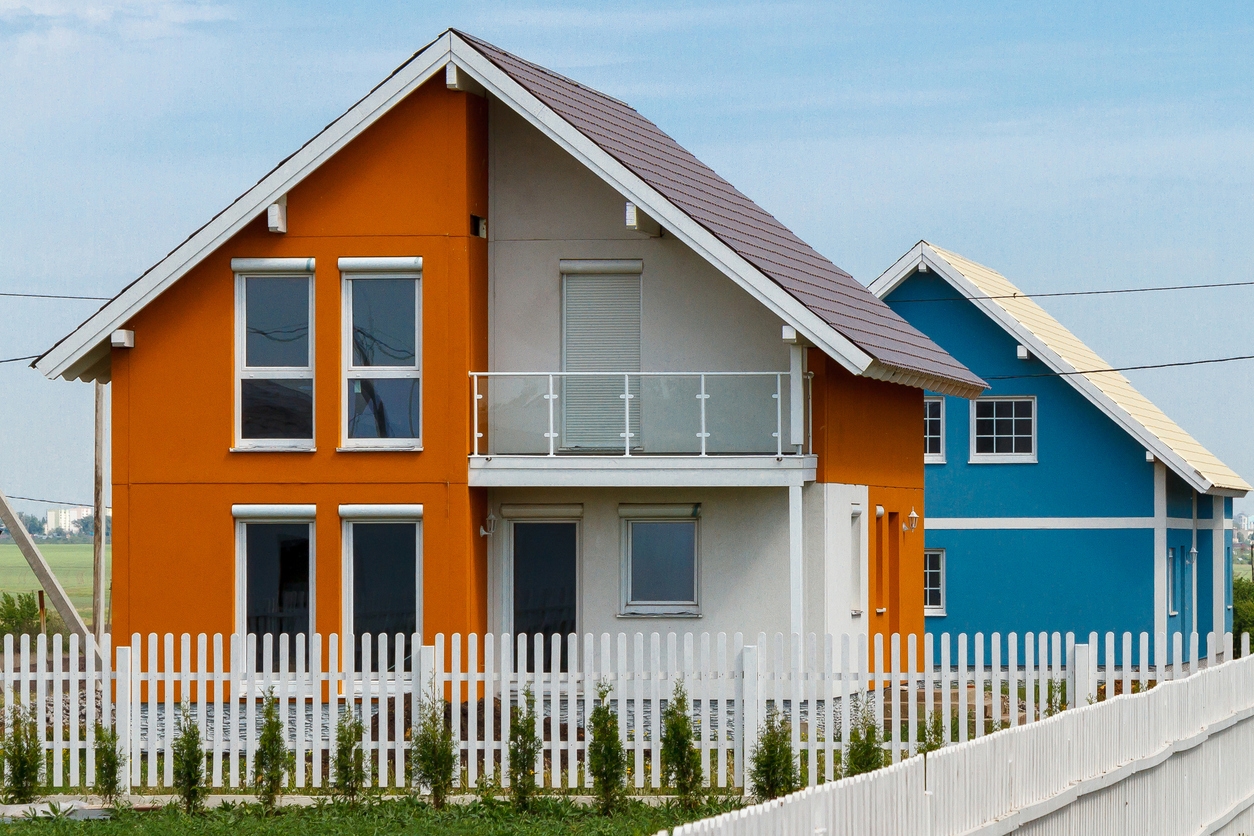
(23, 756)
(681, 762)
(773, 766)
(607, 760)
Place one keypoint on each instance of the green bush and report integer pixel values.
(19, 614)
(607, 759)
(1242, 609)
(773, 766)
(23, 756)
(189, 762)
(681, 762)
(109, 764)
(524, 749)
(865, 752)
(273, 761)
(435, 752)
(350, 761)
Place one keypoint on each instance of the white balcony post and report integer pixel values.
(703, 397)
(796, 403)
(779, 416)
(795, 560)
(626, 414)
(552, 436)
(475, 407)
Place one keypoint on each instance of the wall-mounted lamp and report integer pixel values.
(489, 528)
(1193, 555)
(912, 521)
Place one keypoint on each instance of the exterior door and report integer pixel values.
(545, 585)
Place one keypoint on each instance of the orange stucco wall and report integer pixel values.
(406, 186)
(867, 432)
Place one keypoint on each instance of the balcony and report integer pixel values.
(640, 428)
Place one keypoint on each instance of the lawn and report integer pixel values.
(549, 817)
(70, 562)
(1241, 570)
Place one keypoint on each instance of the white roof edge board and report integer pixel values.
(892, 278)
(64, 356)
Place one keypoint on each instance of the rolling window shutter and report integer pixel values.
(601, 333)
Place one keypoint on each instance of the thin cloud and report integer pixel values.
(54, 22)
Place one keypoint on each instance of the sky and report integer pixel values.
(1070, 146)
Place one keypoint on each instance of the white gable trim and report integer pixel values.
(921, 253)
(79, 352)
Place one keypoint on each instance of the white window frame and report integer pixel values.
(270, 268)
(938, 609)
(629, 514)
(272, 514)
(350, 514)
(366, 269)
(1005, 458)
(935, 458)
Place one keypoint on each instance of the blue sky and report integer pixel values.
(1069, 146)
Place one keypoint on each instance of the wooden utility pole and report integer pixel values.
(98, 535)
(40, 567)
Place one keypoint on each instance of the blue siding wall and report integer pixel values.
(1086, 465)
(1046, 580)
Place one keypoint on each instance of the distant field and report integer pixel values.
(1241, 570)
(70, 563)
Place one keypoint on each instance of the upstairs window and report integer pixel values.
(274, 357)
(934, 430)
(1003, 430)
(383, 352)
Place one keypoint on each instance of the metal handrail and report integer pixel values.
(627, 396)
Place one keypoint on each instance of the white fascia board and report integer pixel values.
(658, 207)
(641, 471)
(419, 69)
(922, 253)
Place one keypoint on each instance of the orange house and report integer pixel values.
(492, 352)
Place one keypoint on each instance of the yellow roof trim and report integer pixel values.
(1079, 357)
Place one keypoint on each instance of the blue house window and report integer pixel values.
(934, 582)
(934, 430)
(1003, 430)
(1171, 582)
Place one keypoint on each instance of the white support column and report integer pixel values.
(1219, 609)
(1193, 559)
(795, 558)
(796, 401)
(1160, 548)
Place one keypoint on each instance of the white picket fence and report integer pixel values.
(140, 689)
(1174, 760)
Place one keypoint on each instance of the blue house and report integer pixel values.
(1061, 499)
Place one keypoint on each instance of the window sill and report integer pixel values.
(674, 614)
(937, 612)
(1002, 459)
(274, 449)
(379, 448)
(933, 459)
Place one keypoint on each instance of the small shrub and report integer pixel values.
(189, 762)
(931, 738)
(273, 761)
(607, 760)
(1055, 697)
(23, 756)
(865, 752)
(773, 766)
(1242, 609)
(19, 614)
(109, 764)
(435, 754)
(681, 762)
(524, 749)
(350, 761)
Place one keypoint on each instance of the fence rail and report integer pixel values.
(978, 684)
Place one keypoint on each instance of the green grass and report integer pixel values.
(70, 562)
(549, 817)
(1241, 570)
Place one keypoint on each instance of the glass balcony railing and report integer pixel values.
(636, 413)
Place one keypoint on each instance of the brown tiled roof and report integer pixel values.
(693, 187)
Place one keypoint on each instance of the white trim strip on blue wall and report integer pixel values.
(1008, 523)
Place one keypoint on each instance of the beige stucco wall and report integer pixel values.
(546, 206)
(743, 558)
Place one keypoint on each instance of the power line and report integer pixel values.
(19, 359)
(51, 501)
(1110, 292)
(1124, 368)
(56, 296)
